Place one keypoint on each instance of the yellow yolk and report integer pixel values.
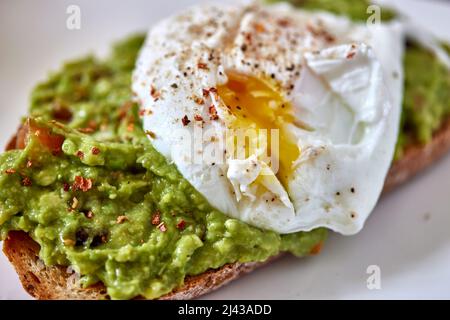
(257, 104)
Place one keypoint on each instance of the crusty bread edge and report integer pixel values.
(56, 282)
(417, 158)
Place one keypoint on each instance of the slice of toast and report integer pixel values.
(56, 283)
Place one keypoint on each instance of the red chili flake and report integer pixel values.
(80, 154)
(213, 113)
(29, 164)
(93, 125)
(316, 249)
(351, 55)
(291, 67)
(162, 227)
(10, 171)
(123, 110)
(198, 117)
(82, 184)
(95, 151)
(329, 38)
(155, 94)
(156, 218)
(259, 27)
(283, 23)
(199, 100)
(151, 134)
(89, 214)
(181, 225)
(202, 65)
(185, 121)
(121, 219)
(66, 187)
(26, 182)
(213, 90)
(86, 130)
(205, 93)
(141, 112)
(62, 113)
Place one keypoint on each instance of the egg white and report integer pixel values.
(347, 95)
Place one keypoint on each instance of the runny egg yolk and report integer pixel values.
(258, 104)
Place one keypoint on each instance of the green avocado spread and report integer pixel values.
(92, 191)
(86, 184)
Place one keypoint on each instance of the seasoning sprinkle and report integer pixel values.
(350, 55)
(86, 130)
(185, 120)
(162, 227)
(26, 182)
(10, 171)
(156, 218)
(202, 66)
(82, 184)
(181, 225)
(213, 113)
(151, 134)
(199, 100)
(155, 94)
(95, 151)
(80, 154)
(121, 219)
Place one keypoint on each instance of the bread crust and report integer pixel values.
(55, 282)
(58, 283)
(417, 158)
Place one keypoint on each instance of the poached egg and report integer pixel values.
(282, 118)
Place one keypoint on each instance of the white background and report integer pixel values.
(408, 235)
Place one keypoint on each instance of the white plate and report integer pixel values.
(407, 237)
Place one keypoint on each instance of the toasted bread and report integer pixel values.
(51, 283)
(55, 282)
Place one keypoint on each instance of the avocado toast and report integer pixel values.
(92, 137)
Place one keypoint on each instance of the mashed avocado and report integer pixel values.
(91, 190)
(426, 103)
